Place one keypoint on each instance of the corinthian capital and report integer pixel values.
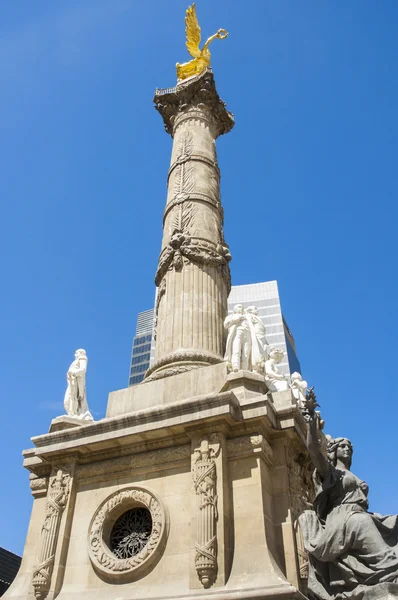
(196, 97)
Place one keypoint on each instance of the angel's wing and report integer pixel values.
(192, 31)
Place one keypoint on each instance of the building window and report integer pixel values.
(140, 359)
(131, 532)
(136, 379)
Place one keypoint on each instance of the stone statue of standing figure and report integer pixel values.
(259, 339)
(75, 401)
(246, 342)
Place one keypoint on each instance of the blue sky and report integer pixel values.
(309, 189)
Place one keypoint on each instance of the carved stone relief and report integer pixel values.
(302, 490)
(108, 563)
(58, 493)
(193, 356)
(204, 475)
(245, 445)
(38, 485)
(184, 179)
(302, 494)
(198, 251)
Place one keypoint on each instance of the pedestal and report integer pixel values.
(217, 473)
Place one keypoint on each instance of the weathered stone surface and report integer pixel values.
(65, 422)
(245, 384)
(201, 381)
(193, 276)
(382, 591)
(155, 450)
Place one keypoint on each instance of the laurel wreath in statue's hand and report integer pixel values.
(222, 34)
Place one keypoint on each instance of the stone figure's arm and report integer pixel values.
(82, 368)
(228, 323)
(314, 448)
(232, 320)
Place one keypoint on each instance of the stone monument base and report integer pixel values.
(219, 478)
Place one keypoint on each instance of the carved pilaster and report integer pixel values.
(56, 501)
(302, 495)
(301, 485)
(193, 272)
(204, 474)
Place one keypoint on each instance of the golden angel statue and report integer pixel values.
(201, 58)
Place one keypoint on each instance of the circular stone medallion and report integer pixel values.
(127, 534)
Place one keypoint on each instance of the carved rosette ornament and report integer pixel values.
(193, 276)
(57, 498)
(110, 562)
(205, 484)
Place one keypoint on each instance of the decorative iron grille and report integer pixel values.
(131, 532)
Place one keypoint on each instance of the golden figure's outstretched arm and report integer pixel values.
(221, 35)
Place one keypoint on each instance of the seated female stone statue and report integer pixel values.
(349, 548)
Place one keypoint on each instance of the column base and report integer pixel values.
(181, 362)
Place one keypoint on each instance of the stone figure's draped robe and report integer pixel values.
(349, 548)
(255, 349)
(75, 401)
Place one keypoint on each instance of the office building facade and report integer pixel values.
(142, 343)
(264, 295)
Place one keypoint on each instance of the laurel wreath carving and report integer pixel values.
(197, 251)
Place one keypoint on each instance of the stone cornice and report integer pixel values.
(133, 428)
(198, 93)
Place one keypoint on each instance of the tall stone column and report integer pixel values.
(193, 276)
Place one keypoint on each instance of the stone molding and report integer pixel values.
(173, 370)
(160, 458)
(103, 560)
(155, 419)
(249, 444)
(58, 493)
(194, 196)
(183, 158)
(186, 356)
(38, 485)
(204, 474)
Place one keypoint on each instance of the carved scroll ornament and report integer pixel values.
(56, 502)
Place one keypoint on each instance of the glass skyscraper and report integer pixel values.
(264, 295)
(141, 351)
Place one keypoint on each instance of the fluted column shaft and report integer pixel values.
(193, 275)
